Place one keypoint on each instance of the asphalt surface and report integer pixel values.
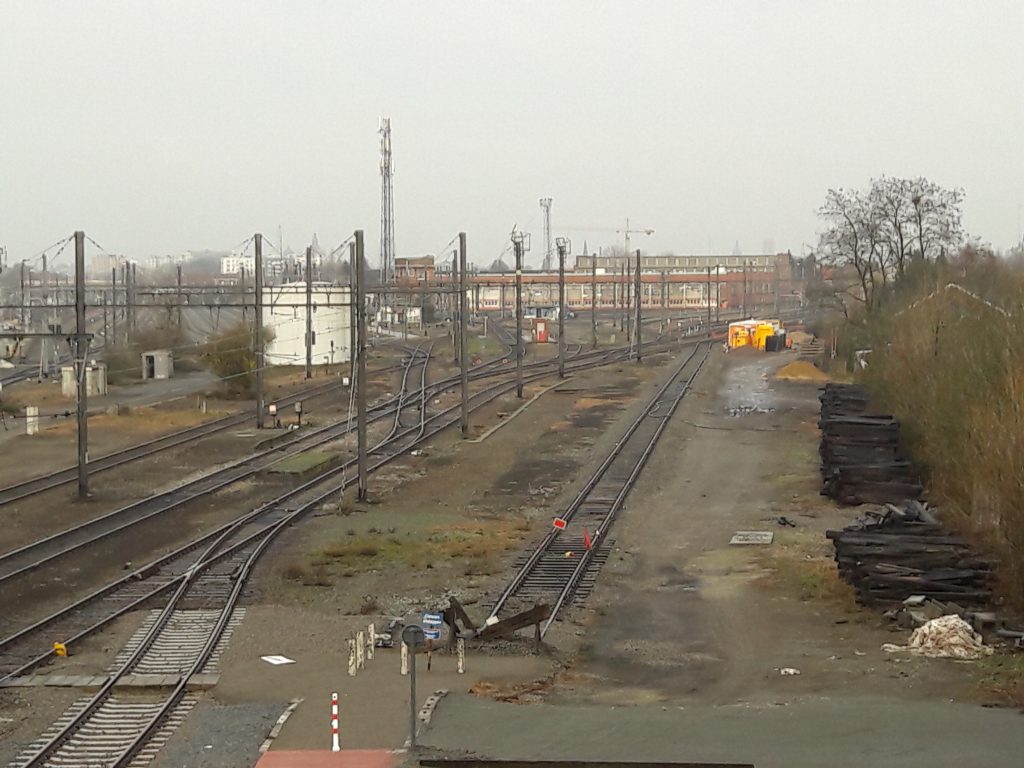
(815, 732)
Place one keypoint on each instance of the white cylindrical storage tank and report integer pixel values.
(284, 314)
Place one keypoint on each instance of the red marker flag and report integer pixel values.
(586, 539)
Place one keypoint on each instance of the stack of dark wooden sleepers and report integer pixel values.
(901, 551)
(861, 461)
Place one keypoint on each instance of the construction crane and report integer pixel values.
(626, 232)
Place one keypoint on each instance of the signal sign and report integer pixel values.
(560, 523)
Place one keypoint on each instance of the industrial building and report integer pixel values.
(284, 315)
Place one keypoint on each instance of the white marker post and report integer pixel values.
(352, 658)
(405, 659)
(460, 649)
(31, 419)
(335, 736)
(360, 650)
(371, 640)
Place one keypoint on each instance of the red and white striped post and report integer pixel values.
(335, 738)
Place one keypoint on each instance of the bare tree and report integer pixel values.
(878, 233)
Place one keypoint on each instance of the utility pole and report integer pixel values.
(517, 244)
(80, 363)
(257, 340)
(456, 308)
(709, 298)
(133, 327)
(744, 289)
(360, 351)
(352, 319)
(113, 308)
(593, 301)
(179, 302)
(309, 311)
(622, 294)
(718, 293)
(639, 311)
(463, 369)
(22, 302)
(562, 244)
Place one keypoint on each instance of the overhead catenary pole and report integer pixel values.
(709, 298)
(561, 245)
(360, 352)
(178, 300)
(593, 301)
(309, 311)
(639, 311)
(258, 340)
(113, 308)
(22, 296)
(454, 308)
(518, 248)
(352, 310)
(134, 324)
(463, 367)
(80, 363)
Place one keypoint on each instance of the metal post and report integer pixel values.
(622, 296)
(178, 303)
(718, 294)
(22, 301)
(113, 308)
(518, 247)
(463, 368)
(257, 326)
(561, 308)
(352, 311)
(709, 299)
(639, 311)
(106, 338)
(593, 301)
(134, 324)
(360, 281)
(744, 289)
(81, 360)
(309, 312)
(456, 322)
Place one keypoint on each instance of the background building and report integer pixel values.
(284, 313)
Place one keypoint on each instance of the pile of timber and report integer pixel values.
(861, 461)
(902, 551)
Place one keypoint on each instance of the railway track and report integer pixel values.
(47, 551)
(42, 483)
(562, 568)
(32, 556)
(206, 576)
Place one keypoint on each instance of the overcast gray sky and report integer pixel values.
(158, 127)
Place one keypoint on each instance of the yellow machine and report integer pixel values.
(752, 333)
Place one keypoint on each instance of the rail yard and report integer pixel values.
(511, 385)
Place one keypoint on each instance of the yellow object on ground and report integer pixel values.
(60, 649)
(801, 370)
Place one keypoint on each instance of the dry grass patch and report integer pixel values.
(1003, 675)
(801, 565)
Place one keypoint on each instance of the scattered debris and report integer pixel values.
(752, 537)
(947, 637)
(789, 671)
(785, 521)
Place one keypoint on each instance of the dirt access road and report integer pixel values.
(679, 651)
